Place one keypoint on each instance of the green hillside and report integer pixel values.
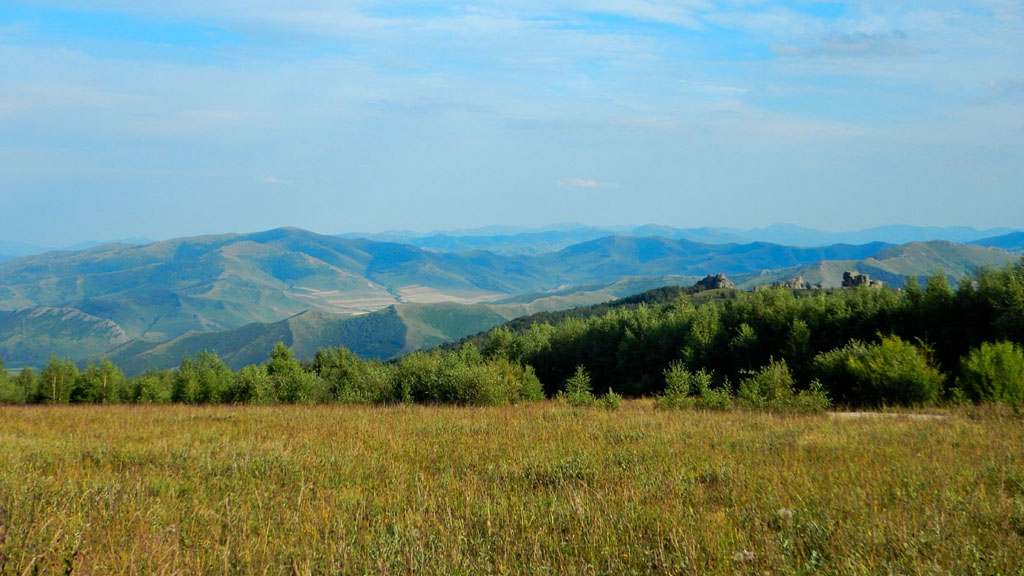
(30, 336)
(384, 334)
(613, 258)
(165, 289)
(919, 259)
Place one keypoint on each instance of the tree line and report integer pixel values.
(769, 348)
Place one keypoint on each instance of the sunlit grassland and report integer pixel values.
(538, 489)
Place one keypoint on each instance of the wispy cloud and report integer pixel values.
(584, 183)
(858, 44)
(488, 99)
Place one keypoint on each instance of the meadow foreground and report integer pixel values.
(540, 489)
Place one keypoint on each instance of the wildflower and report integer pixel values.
(784, 514)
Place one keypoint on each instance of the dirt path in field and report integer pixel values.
(893, 415)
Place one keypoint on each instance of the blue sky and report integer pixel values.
(158, 119)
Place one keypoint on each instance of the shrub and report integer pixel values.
(611, 400)
(10, 391)
(531, 389)
(715, 399)
(252, 385)
(892, 371)
(414, 377)
(518, 382)
(685, 389)
(770, 387)
(464, 377)
(153, 387)
(993, 372)
(577, 389)
(814, 399)
(678, 387)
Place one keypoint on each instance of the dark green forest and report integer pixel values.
(927, 343)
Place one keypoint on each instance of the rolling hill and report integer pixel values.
(218, 291)
(166, 289)
(385, 334)
(919, 259)
(620, 256)
(30, 336)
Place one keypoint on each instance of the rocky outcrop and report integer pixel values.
(795, 283)
(852, 279)
(715, 282)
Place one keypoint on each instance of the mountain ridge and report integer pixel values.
(216, 283)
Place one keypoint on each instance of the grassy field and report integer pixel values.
(538, 489)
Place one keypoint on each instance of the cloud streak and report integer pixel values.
(584, 183)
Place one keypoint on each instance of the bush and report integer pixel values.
(715, 399)
(892, 371)
(413, 377)
(770, 387)
(519, 382)
(10, 391)
(531, 389)
(678, 388)
(252, 385)
(577, 389)
(611, 400)
(153, 387)
(993, 373)
(685, 389)
(464, 377)
(814, 399)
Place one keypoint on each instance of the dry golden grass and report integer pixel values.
(539, 489)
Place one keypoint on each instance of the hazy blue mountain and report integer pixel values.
(1014, 241)
(93, 244)
(510, 244)
(789, 234)
(518, 241)
(18, 249)
(701, 235)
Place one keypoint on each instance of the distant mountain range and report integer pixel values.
(515, 241)
(1014, 242)
(236, 292)
(11, 250)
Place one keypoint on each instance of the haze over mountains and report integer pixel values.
(147, 304)
(512, 240)
(522, 240)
